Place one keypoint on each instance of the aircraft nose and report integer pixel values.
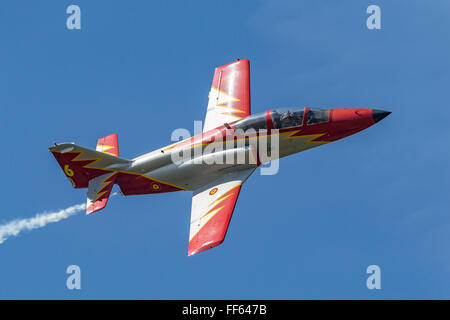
(379, 115)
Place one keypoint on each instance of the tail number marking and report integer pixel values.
(68, 171)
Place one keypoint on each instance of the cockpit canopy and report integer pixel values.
(284, 118)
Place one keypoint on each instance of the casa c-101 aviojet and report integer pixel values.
(215, 185)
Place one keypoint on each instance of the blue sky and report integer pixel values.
(144, 68)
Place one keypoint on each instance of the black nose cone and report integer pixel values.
(379, 114)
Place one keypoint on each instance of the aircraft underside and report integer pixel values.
(215, 163)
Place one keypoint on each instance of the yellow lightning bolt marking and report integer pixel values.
(219, 200)
(104, 148)
(228, 111)
(224, 195)
(99, 193)
(94, 160)
(233, 99)
(212, 212)
(292, 135)
(284, 135)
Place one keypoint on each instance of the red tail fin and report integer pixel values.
(108, 145)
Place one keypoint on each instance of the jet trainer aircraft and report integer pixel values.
(215, 184)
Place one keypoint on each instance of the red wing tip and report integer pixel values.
(238, 61)
(93, 208)
(203, 247)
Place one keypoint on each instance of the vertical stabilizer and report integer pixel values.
(100, 187)
(108, 145)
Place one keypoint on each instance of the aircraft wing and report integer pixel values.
(212, 208)
(229, 98)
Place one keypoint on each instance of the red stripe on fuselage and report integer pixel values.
(269, 122)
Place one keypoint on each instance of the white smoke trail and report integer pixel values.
(14, 227)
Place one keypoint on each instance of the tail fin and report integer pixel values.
(108, 145)
(96, 170)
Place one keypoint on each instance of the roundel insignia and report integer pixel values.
(156, 186)
(213, 191)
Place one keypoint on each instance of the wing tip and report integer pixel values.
(95, 206)
(242, 62)
(203, 247)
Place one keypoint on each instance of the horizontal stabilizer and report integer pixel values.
(81, 164)
(98, 192)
